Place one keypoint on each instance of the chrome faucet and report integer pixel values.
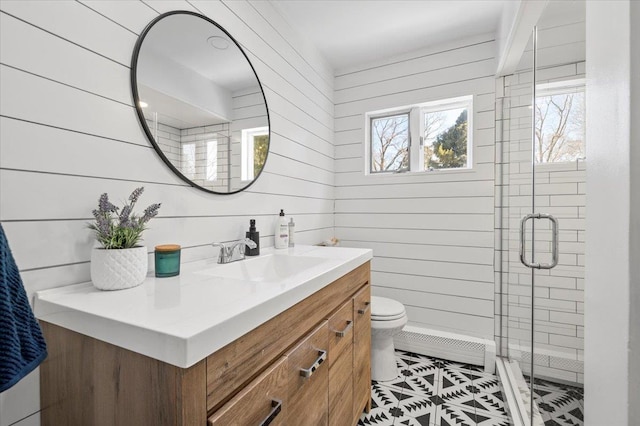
(235, 251)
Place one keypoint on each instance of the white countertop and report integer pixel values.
(181, 320)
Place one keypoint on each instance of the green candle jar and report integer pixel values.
(167, 260)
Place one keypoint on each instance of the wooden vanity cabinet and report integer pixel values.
(252, 379)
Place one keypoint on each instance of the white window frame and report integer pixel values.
(416, 130)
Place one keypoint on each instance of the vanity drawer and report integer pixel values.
(263, 401)
(308, 377)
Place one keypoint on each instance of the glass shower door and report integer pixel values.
(543, 192)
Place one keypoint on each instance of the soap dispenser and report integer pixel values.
(281, 232)
(254, 236)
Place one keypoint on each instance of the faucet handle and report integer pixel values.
(223, 252)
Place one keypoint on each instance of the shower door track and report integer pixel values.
(516, 398)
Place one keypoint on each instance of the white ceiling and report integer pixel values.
(355, 32)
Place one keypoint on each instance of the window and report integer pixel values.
(424, 137)
(189, 160)
(445, 138)
(212, 160)
(390, 143)
(255, 145)
(560, 130)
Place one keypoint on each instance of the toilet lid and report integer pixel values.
(383, 309)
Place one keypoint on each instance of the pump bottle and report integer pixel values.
(254, 236)
(282, 232)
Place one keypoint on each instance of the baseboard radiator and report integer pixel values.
(451, 346)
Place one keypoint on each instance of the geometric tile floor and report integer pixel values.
(436, 392)
(559, 405)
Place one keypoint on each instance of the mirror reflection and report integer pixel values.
(200, 102)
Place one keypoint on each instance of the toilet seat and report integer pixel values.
(383, 309)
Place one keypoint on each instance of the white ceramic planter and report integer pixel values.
(117, 269)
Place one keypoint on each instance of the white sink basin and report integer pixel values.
(266, 268)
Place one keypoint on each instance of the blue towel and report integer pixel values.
(22, 347)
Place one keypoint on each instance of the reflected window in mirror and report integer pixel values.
(212, 160)
(255, 143)
(188, 160)
(196, 93)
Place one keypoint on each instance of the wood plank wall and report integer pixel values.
(69, 132)
(432, 233)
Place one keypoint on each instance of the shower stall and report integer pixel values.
(541, 192)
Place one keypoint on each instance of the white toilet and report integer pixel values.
(388, 317)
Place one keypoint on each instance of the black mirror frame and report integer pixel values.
(143, 122)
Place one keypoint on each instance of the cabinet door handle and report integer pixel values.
(308, 372)
(276, 405)
(367, 307)
(345, 330)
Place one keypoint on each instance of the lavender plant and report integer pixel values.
(121, 229)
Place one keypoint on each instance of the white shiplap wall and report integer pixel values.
(432, 233)
(69, 132)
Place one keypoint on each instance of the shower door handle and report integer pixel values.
(554, 241)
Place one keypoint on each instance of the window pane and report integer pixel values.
(445, 139)
(390, 143)
(212, 160)
(560, 127)
(255, 146)
(189, 160)
(260, 149)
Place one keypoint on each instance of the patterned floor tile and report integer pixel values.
(559, 404)
(407, 354)
(436, 392)
(455, 386)
(417, 365)
(569, 414)
(378, 417)
(450, 415)
(416, 377)
(487, 383)
(491, 404)
(418, 406)
(425, 420)
(385, 396)
(454, 415)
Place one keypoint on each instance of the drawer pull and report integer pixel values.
(345, 330)
(367, 307)
(308, 372)
(277, 407)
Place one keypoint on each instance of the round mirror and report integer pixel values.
(200, 102)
